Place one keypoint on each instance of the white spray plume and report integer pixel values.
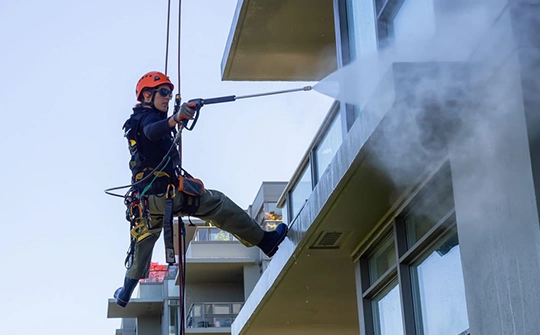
(462, 36)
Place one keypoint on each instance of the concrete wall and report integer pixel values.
(148, 326)
(151, 291)
(216, 249)
(496, 206)
(218, 292)
(129, 326)
(252, 273)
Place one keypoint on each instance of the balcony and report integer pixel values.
(212, 314)
(149, 302)
(211, 245)
(216, 255)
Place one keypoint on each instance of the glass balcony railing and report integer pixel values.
(212, 314)
(212, 234)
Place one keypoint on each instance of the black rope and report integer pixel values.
(164, 160)
(179, 36)
(168, 33)
(182, 273)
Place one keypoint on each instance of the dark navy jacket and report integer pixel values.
(154, 139)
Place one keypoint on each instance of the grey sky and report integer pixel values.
(69, 71)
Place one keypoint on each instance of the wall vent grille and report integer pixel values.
(329, 240)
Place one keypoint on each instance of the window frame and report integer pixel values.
(406, 256)
(385, 10)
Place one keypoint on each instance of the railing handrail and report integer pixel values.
(204, 316)
(214, 302)
(196, 236)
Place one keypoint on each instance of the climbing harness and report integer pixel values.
(139, 218)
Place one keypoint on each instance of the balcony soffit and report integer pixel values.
(281, 41)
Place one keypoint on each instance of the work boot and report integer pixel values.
(272, 239)
(123, 294)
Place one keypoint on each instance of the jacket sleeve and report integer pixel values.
(154, 128)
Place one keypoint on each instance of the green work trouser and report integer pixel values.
(214, 206)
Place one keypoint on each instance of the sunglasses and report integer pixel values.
(165, 92)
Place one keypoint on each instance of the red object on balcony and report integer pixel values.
(157, 273)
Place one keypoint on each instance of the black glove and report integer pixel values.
(185, 113)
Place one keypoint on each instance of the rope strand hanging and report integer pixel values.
(181, 229)
(168, 36)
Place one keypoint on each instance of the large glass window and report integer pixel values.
(381, 288)
(301, 191)
(327, 148)
(383, 259)
(413, 21)
(430, 207)
(213, 234)
(404, 22)
(407, 22)
(173, 317)
(361, 28)
(387, 312)
(427, 295)
(439, 289)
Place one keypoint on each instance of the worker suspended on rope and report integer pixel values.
(159, 183)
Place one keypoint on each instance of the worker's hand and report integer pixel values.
(185, 113)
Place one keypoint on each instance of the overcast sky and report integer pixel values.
(69, 70)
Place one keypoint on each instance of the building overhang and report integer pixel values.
(280, 41)
(135, 308)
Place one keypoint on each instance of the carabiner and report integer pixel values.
(171, 191)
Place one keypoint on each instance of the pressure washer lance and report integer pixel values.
(198, 103)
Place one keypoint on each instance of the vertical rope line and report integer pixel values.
(179, 38)
(181, 236)
(168, 33)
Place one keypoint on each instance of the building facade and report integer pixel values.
(415, 208)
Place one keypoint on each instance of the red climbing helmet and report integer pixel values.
(150, 80)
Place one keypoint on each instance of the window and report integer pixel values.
(428, 208)
(269, 212)
(416, 263)
(213, 234)
(329, 145)
(173, 317)
(413, 21)
(301, 191)
(404, 21)
(417, 21)
(381, 300)
(361, 28)
(387, 312)
(439, 289)
(383, 259)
